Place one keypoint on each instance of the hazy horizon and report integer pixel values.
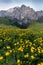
(37, 5)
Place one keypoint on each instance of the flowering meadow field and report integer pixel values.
(21, 46)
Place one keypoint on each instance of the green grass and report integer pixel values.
(32, 26)
(36, 26)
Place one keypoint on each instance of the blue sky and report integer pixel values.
(35, 4)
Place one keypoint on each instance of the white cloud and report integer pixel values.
(13, 3)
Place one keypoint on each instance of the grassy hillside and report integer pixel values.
(32, 25)
(36, 26)
(4, 21)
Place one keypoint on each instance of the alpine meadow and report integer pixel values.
(21, 32)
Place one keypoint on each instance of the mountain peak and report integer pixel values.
(21, 13)
(23, 5)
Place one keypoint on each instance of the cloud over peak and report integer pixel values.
(35, 4)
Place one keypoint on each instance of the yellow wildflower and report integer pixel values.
(40, 39)
(1, 57)
(38, 64)
(41, 63)
(32, 57)
(9, 38)
(42, 51)
(7, 53)
(27, 45)
(39, 50)
(26, 56)
(15, 44)
(27, 41)
(8, 47)
(10, 51)
(35, 40)
(20, 48)
(30, 43)
(0, 40)
(41, 44)
(21, 40)
(18, 61)
(32, 49)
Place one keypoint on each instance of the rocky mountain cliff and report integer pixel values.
(21, 13)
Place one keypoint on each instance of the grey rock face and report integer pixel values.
(21, 13)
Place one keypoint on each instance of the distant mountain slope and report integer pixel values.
(18, 23)
(5, 21)
(21, 13)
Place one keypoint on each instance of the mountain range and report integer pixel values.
(21, 13)
(20, 16)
